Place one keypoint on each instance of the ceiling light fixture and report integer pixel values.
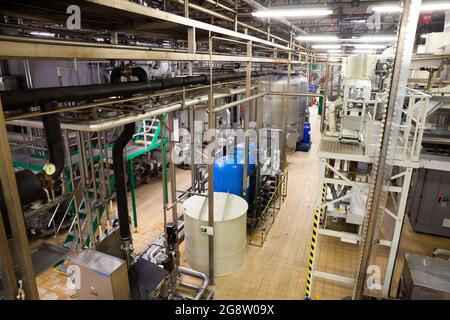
(435, 6)
(427, 6)
(334, 51)
(326, 46)
(378, 38)
(387, 8)
(293, 12)
(42, 34)
(317, 38)
(360, 51)
(370, 46)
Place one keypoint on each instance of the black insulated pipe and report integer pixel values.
(53, 135)
(30, 189)
(17, 99)
(119, 175)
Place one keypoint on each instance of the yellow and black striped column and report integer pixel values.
(324, 199)
(311, 253)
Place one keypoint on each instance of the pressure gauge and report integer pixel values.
(50, 169)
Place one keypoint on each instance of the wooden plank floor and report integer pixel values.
(278, 270)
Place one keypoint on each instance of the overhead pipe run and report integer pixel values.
(93, 126)
(17, 99)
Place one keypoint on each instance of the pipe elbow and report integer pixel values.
(137, 72)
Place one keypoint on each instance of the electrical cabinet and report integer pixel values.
(101, 276)
(429, 202)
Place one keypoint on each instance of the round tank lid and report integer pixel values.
(227, 207)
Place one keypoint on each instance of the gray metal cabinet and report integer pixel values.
(429, 202)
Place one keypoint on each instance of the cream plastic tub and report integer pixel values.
(230, 223)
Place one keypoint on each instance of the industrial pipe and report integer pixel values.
(137, 72)
(121, 188)
(199, 275)
(17, 99)
(53, 135)
(29, 185)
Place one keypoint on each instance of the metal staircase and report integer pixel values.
(149, 131)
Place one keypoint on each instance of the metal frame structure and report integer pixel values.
(335, 162)
(404, 155)
(288, 54)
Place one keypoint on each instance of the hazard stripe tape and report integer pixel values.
(324, 199)
(311, 254)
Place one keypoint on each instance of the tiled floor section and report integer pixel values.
(277, 270)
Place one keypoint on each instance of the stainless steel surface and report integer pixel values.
(110, 244)
(425, 278)
(196, 274)
(284, 112)
(103, 277)
(45, 254)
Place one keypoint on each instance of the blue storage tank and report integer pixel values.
(306, 133)
(228, 173)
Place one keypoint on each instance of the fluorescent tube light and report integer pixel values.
(370, 46)
(427, 6)
(361, 51)
(358, 21)
(335, 51)
(317, 38)
(435, 6)
(387, 8)
(42, 34)
(378, 38)
(292, 12)
(326, 46)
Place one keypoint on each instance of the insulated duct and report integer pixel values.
(119, 169)
(17, 99)
(121, 188)
(53, 135)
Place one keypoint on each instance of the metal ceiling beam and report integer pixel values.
(130, 7)
(35, 49)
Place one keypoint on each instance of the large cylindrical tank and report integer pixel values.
(285, 112)
(230, 223)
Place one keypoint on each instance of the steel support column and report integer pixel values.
(248, 85)
(8, 276)
(15, 214)
(408, 26)
(211, 157)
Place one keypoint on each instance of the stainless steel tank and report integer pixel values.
(284, 112)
